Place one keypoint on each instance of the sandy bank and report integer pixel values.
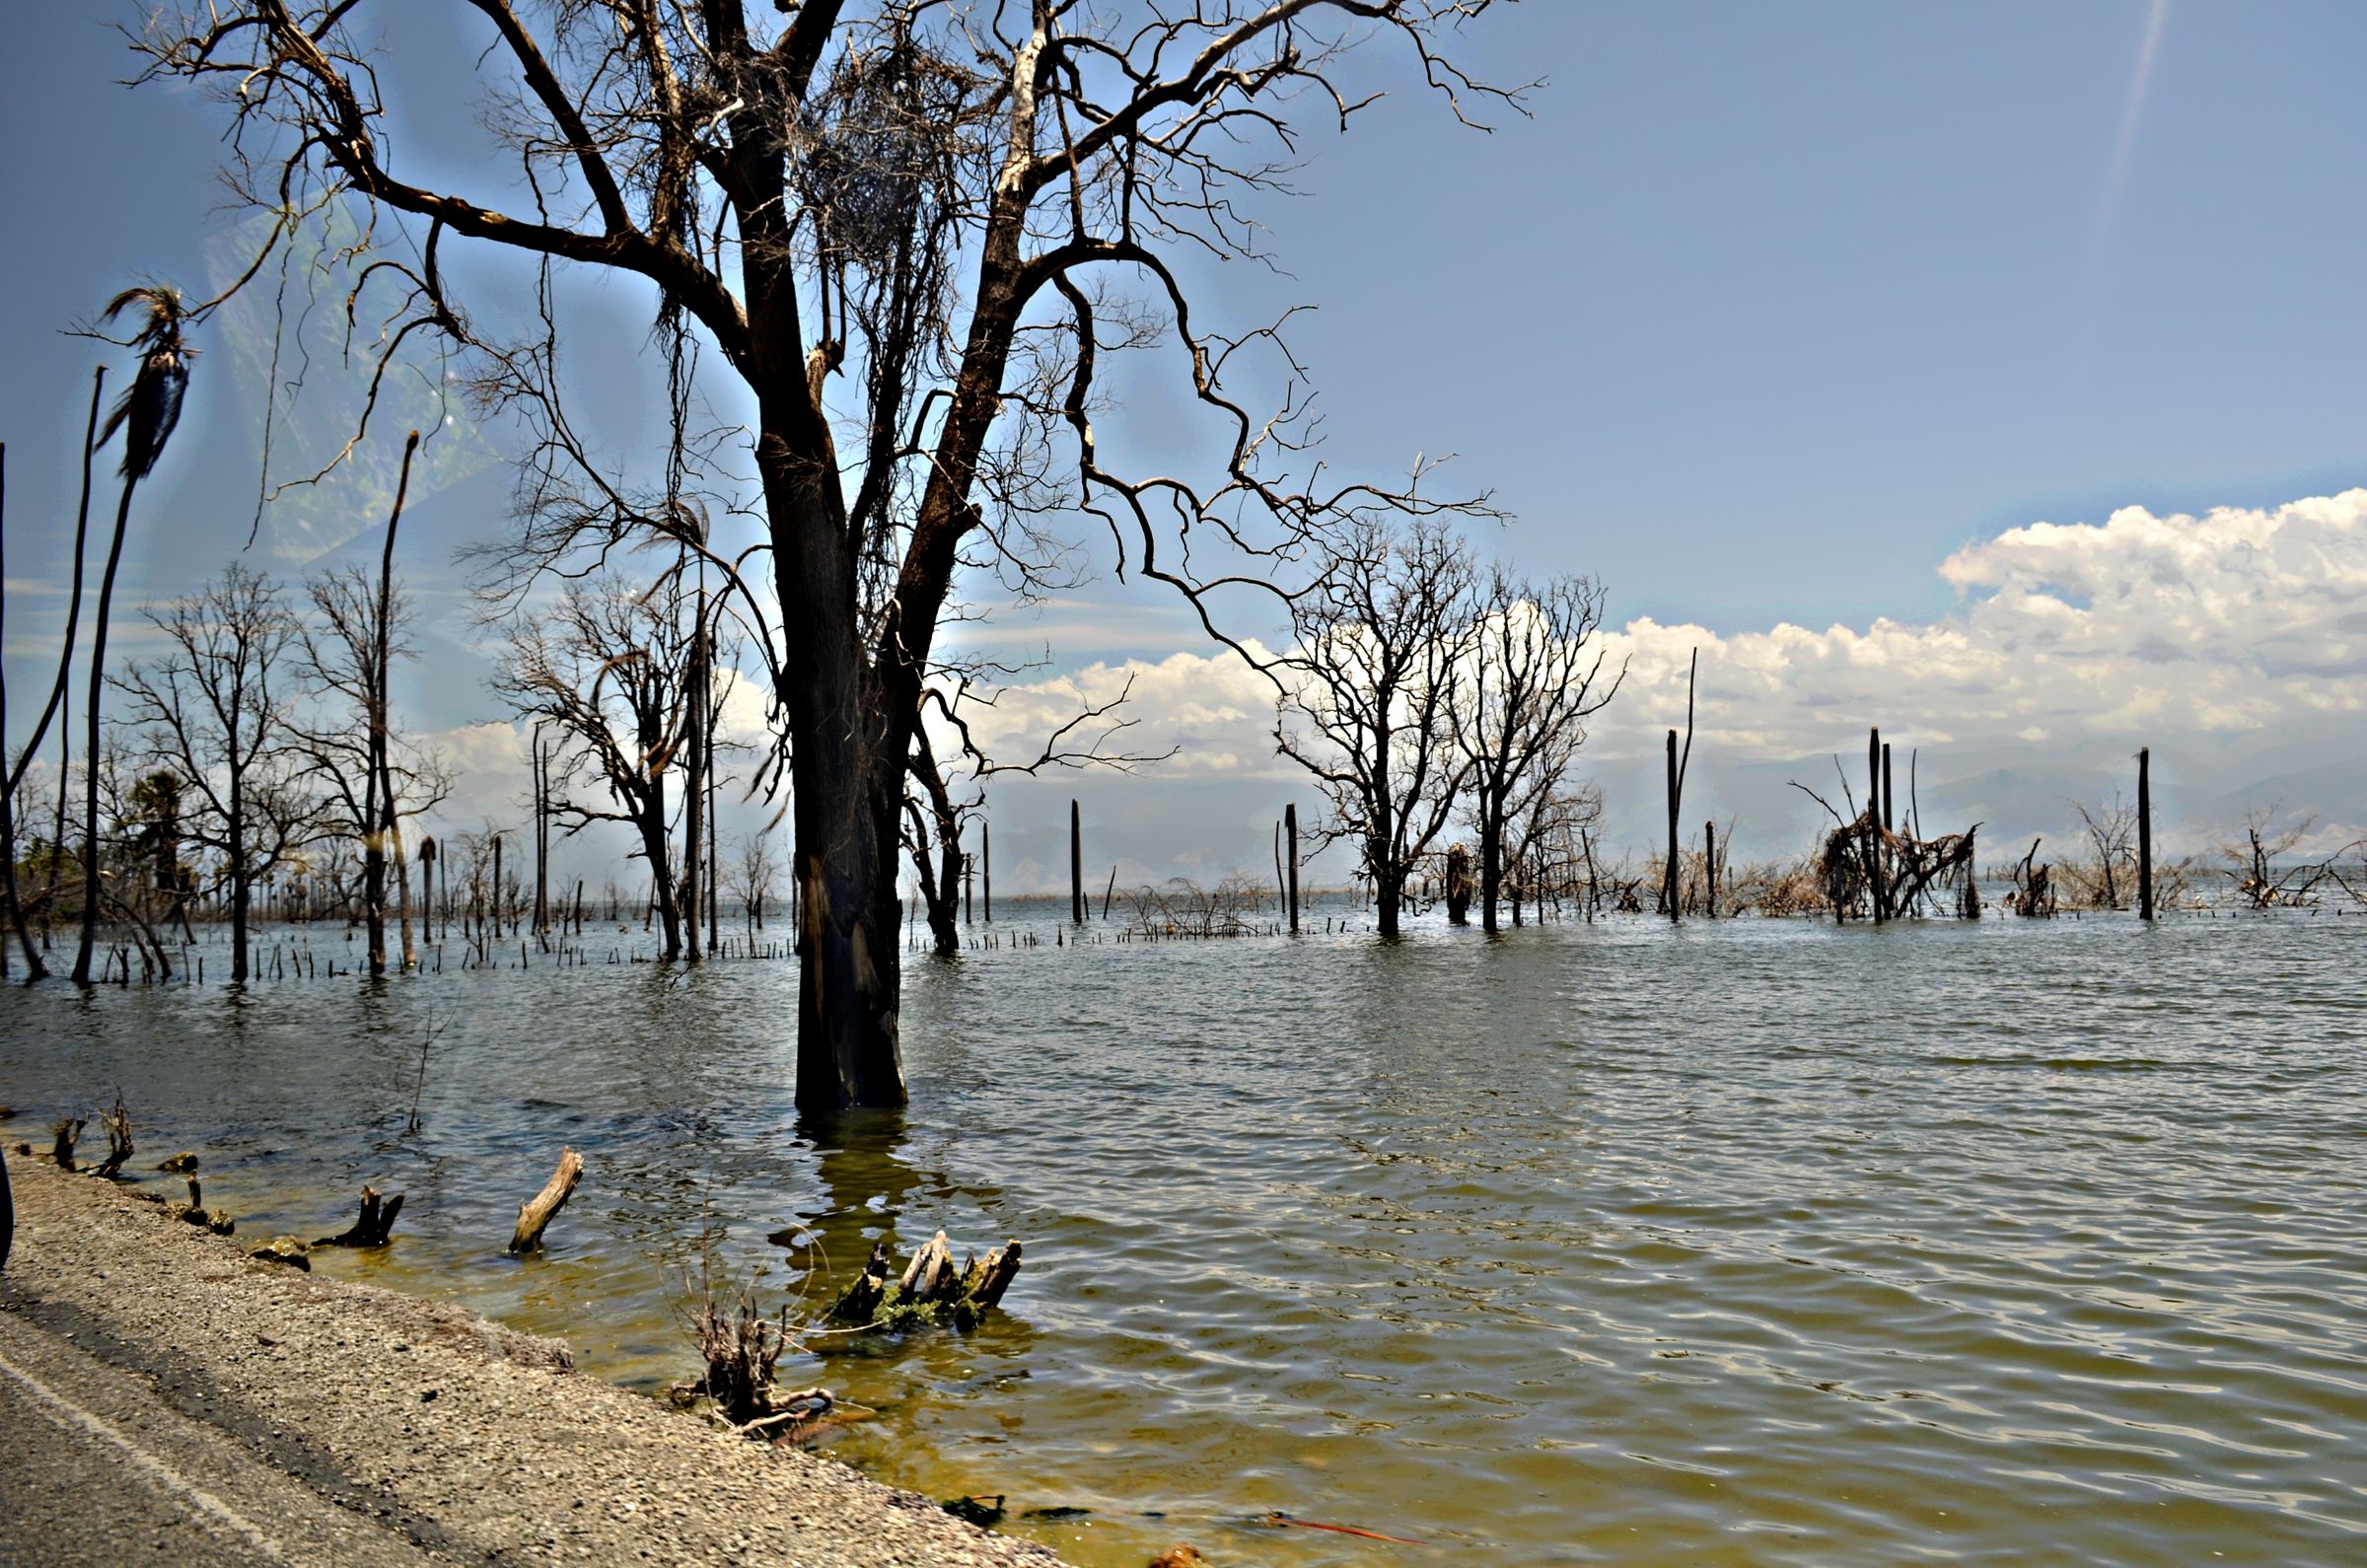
(171, 1391)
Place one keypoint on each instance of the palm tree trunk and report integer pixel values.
(90, 751)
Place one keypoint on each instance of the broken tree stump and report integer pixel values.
(61, 1149)
(372, 1227)
(930, 1292)
(536, 1213)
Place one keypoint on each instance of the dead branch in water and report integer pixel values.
(372, 1227)
(117, 1124)
(536, 1213)
(1867, 870)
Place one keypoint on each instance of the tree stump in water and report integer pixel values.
(930, 1291)
(536, 1213)
(372, 1227)
(63, 1135)
(1458, 885)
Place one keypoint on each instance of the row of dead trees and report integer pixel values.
(252, 735)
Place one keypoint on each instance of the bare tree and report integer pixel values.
(211, 711)
(2107, 881)
(369, 778)
(752, 874)
(1535, 678)
(1379, 647)
(942, 798)
(889, 220)
(610, 668)
(2264, 868)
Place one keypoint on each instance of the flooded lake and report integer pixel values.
(1750, 1242)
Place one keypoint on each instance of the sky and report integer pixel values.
(1987, 372)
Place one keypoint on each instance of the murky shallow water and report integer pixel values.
(1750, 1243)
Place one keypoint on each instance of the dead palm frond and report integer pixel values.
(148, 411)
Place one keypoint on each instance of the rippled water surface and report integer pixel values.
(1757, 1241)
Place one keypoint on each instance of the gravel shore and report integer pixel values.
(159, 1385)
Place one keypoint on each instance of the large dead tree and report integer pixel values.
(896, 224)
(1380, 649)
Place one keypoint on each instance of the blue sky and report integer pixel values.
(1764, 313)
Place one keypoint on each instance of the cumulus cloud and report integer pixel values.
(2240, 623)
(2237, 622)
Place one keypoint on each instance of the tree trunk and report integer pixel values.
(661, 878)
(90, 751)
(1879, 894)
(2145, 832)
(1669, 891)
(1491, 862)
(241, 885)
(1290, 832)
(695, 797)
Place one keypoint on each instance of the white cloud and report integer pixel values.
(2236, 639)
(2236, 624)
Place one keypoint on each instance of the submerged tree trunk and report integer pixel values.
(90, 750)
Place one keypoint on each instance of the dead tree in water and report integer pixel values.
(1370, 695)
(1863, 868)
(2034, 894)
(1535, 677)
(2106, 879)
(1458, 888)
(210, 709)
(920, 199)
(938, 807)
(2262, 867)
(369, 780)
(34, 966)
(1866, 867)
(609, 666)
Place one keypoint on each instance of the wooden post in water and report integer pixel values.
(1889, 799)
(2145, 832)
(969, 883)
(1290, 834)
(542, 839)
(1076, 865)
(1668, 876)
(496, 899)
(986, 869)
(1880, 895)
(1709, 865)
